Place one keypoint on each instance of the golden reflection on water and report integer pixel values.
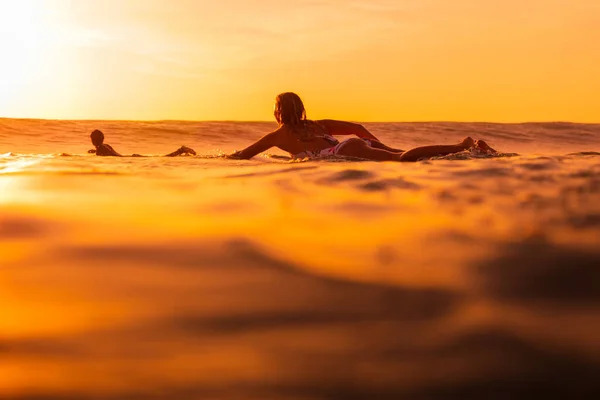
(10, 190)
(16, 166)
(117, 284)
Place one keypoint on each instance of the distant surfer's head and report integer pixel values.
(289, 109)
(97, 137)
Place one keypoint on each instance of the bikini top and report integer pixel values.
(332, 141)
(312, 154)
(325, 136)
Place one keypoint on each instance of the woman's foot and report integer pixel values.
(483, 146)
(467, 143)
(186, 150)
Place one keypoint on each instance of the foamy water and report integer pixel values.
(201, 277)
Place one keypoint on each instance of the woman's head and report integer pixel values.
(289, 109)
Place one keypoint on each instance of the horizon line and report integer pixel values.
(264, 121)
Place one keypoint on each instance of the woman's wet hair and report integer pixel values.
(289, 110)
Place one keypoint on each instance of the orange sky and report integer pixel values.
(363, 60)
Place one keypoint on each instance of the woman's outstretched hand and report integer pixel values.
(183, 150)
(236, 155)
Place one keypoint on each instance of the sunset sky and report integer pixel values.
(362, 60)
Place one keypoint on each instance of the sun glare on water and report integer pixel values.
(11, 187)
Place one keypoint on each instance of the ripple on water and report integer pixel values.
(536, 270)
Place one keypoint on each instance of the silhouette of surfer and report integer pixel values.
(106, 150)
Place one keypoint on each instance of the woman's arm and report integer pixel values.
(346, 128)
(263, 144)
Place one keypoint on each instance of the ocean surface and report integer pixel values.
(464, 277)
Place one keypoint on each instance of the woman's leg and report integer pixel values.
(378, 145)
(359, 149)
(436, 151)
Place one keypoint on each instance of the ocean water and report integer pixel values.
(207, 278)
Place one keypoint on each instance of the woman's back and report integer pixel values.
(307, 136)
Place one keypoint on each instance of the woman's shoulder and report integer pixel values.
(331, 122)
(319, 124)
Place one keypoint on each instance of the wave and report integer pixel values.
(585, 153)
(212, 140)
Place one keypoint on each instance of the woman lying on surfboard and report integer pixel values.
(302, 138)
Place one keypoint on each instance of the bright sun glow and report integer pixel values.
(21, 44)
(362, 60)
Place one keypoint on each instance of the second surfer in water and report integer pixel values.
(106, 150)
